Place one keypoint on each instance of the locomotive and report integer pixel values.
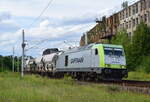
(94, 61)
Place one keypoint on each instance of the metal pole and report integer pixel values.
(18, 64)
(13, 66)
(23, 51)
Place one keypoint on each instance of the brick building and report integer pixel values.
(127, 18)
(131, 16)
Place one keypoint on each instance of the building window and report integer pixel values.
(120, 15)
(141, 5)
(141, 19)
(144, 6)
(133, 22)
(137, 21)
(145, 17)
(149, 16)
(148, 3)
(133, 9)
(123, 25)
(129, 24)
(137, 8)
(129, 11)
(123, 15)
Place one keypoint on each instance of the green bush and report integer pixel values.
(140, 46)
(136, 48)
(145, 65)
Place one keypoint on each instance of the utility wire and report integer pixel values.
(45, 40)
(49, 3)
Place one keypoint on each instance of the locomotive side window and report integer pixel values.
(66, 60)
(96, 51)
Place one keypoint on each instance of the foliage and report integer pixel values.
(145, 64)
(140, 46)
(137, 48)
(138, 75)
(122, 38)
(33, 88)
(6, 63)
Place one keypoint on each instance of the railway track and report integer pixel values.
(127, 85)
(144, 84)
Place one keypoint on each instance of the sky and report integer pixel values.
(61, 25)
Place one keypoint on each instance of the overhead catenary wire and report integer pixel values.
(45, 40)
(35, 20)
(43, 11)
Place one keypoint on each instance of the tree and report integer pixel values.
(140, 45)
(121, 38)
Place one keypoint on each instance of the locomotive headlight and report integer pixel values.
(107, 66)
(122, 66)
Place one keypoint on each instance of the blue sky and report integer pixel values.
(64, 20)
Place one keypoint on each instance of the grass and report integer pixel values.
(138, 76)
(33, 88)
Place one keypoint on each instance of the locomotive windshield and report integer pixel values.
(113, 51)
(114, 56)
(50, 51)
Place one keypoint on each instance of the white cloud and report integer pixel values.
(44, 30)
(58, 8)
(63, 20)
(7, 40)
(45, 23)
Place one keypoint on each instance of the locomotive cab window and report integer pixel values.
(96, 51)
(66, 60)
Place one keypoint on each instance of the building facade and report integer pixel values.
(128, 18)
(131, 16)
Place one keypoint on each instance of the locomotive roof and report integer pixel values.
(110, 45)
(90, 46)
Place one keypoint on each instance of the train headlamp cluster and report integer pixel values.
(122, 66)
(107, 65)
